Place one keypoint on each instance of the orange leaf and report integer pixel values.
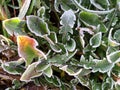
(27, 49)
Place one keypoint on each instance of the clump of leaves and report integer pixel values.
(62, 43)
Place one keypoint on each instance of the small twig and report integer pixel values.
(14, 9)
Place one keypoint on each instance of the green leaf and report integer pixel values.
(111, 50)
(18, 68)
(48, 71)
(53, 80)
(102, 66)
(4, 43)
(14, 26)
(84, 81)
(17, 84)
(114, 57)
(60, 59)
(63, 48)
(95, 85)
(112, 42)
(87, 64)
(117, 87)
(70, 71)
(52, 39)
(95, 65)
(65, 29)
(71, 45)
(104, 3)
(65, 5)
(55, 48)
(90, 19)
(95, 41)
(108, 84)
(37, 26)
(117, 36)
(97, 5)
(42, 66)
(41, 12)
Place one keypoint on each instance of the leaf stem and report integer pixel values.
(92, 11)
(111, 20)
(109, 25)
(48, 39)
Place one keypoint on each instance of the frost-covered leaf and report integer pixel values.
(14, 26)
(55, 48)
(65, 5)
(41, 12)
(52, 40)
(117, 36)
(67, 21)
(71, 45)
(94, 65)
(48, 71)
(13, 67)
(37, 26)
(42, 66)
(27, 49)
(17, 84)
(54, 80)
(63, 48)
(114, 57)
(4, 43)
(102, 66)
(68, 18)
(112, 42)
(108, 84)
(60, 59)
(95, 41)
(95, 85)
(96, 5)
(111, 50)
(87, 64)
(53, 37)
(56, 5)
(84, 81)
(70, 71)
(65, 29)
(104, 3)
(30, 72)
(90, 19)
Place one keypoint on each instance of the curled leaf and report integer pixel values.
(27, 49)
(30, 72)
(70, 72)
(112, 42)
(95, 41)
(114, 57)
(48, 72)
(71, 45)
